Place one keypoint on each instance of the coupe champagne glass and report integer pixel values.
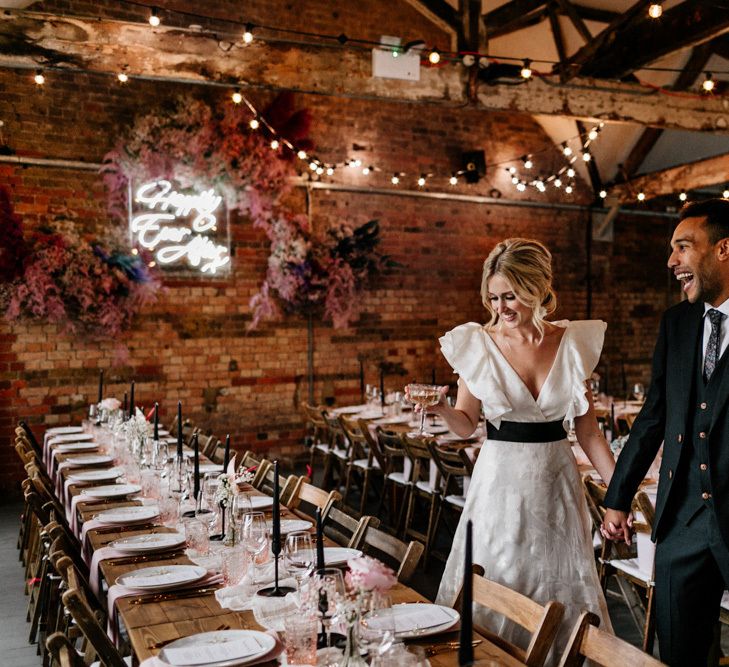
(424, 395)
(639, 391)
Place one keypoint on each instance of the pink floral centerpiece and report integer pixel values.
(369, 574)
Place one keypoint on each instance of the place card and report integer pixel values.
(218, 652)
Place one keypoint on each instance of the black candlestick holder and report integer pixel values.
(275, 591)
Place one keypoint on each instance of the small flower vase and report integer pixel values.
(228, 527)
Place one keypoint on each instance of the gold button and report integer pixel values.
(704, 467)
(703, 406)
(680, 437)
(670, 473)
(705, 495)
(702, 435)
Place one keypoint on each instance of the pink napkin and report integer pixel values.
(118, 591)
(101, 554)
(72, 520)
(88, 525)
(154, 661)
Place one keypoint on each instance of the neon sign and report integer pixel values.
(180, 228)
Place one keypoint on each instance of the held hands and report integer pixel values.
(617, 525)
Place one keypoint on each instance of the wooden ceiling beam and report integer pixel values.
(685, 177)
(442, 15)
(592, 14)
(184, 55)
(513, 15)
(568, 8)
(687, 24)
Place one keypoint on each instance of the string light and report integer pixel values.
(558, 182)
(520, 186)
(421, 180)
(570, 173)
(254, 123)
(248, 33)
(330, 171)
(301, 155)
(313, 166)
(708, 84)
(395, 179)
(275, 144)
(592, 134)
(568, 189)
(566, 150)
(434, 57)
(683, 196)
(602, 194)
(586, 157)
(539, 185)
(366, 170)
(725, 194)
(154, 19)
(655, 11)
(641, 196)
(39, 78)
(123, 78)
(453, 180)
(526, 69)
(528, 164)
(237, 97)
(320, 170)
(512, 170)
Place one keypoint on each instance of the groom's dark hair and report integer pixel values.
(716, 212)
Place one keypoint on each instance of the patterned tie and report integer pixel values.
(712, 349)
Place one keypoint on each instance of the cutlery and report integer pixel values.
(179, 595)
(447, 646)
(131, 560)
(122, 529)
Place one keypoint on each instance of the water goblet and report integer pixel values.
(424, 396)
(377, 625)
(639, 391)
(254, 536)
(299, 555)
(241, 507)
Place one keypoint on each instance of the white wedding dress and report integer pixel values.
(531, 526)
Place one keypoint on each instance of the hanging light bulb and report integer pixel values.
(313, 165)
(526, 69)
(683, 196)
(602, 194)
(421, 180)
(254, 124)
(592, 134)
(520, 186)
(434, 56)
(569, 189)
(725, 194)
(248, 33)
(708, 84)
(566, 150)
(123, 78)
(655, 11)
(301, 155)
(557, 182)
(514, 179)
(528, 164)
(570, 173)
(395, 179)
(154, 19)
(237, 97)
(641, 196)
(512, 170)
(320, 170)
(586, 156)
(357, 163)
(39, 78)
(330, 171)
(539, 185)
(366, 170)
(275, 144)
(453, 180)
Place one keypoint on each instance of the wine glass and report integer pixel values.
(241, 507)
(328, 583)
(254, 535)
(377, 625)
(207, 509)
(639, 391)
(424, 395)
(299, 555)
(594, 384)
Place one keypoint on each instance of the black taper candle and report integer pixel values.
(226, 457)
(131, 401)
(196, 466)
(465, 647)
(320, 564)
(276, 518)
(179, 430)
(625, 379)
(101, 386)
(613, 425)
(124, 407)
(156, 421)
(361, 382)
(382, 387)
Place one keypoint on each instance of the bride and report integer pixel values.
(531, 526)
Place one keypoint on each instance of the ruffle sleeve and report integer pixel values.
(465, 350)
(585, 343)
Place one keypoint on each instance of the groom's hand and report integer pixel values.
(617, 526)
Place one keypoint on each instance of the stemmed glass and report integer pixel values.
(377, 625)
(207, 509)
(424, 395)
(594, 384)
(299, 555)
(328, 583)
(254, 535)
(241, 507)
(639, 391)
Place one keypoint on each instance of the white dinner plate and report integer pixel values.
(407, 613)
(89, 460)
(112, 490)
(130, 515)
(337, 555)
(350, 409)
(292, 525)
(64, 430)
(221, 648)
(70, 437)
(162, 432)
(153, 542)
(211, 467)
(161, 577)
(98, 475)
(397, 419)
(260, 502)
(76, 447)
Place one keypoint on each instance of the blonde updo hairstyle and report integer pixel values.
(527, 265)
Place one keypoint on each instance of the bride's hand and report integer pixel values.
(434, 409)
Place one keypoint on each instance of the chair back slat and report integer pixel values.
(344, 529)
(307, 497)
(62, 651)
(401, 557)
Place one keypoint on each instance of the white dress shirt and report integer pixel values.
(723, 337)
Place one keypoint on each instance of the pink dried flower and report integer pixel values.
(370, 574)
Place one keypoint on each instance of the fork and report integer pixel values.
(448, 646)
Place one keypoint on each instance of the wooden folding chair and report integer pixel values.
(393, 449)
(605, 649)
(339, 453)
(319, 437)
(63, 652)
(361, 462)
(264, 482)
(306, 498)
(401, 557)
(541, 621)
(346, 530)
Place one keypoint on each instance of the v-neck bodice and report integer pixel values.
(474, 355)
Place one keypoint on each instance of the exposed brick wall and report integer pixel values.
(193, 345)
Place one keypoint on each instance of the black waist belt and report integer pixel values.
(527, 431)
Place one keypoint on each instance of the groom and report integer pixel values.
(686, 409)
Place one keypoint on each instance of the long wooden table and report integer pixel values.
(152, 623)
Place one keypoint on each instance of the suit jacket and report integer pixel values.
(666, 417)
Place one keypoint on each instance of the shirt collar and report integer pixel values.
(722, 308)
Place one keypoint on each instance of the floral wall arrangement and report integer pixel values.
(308, 273)
(56, 275)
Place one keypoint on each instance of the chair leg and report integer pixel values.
(650, 621)
(365, 490)
(407, 494)
(430, 531)
(347, 483)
